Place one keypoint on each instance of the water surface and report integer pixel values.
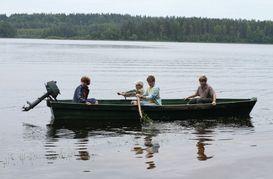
(209, 149)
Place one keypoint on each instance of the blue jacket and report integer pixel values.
(81, 94)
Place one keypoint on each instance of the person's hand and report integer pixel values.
(213, 103)
(186, 99)
(121, 93)
(139, 96)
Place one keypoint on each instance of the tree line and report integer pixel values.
(126, 27)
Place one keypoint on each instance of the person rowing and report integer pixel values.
(151, 95)
(205, 93)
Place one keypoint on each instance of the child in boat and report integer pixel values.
(205, 93)
(151, 95)
(82, 91)
(134, 92)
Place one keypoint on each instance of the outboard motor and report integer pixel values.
(52, 93)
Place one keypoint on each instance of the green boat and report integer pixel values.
(171, 109)
(111, 111)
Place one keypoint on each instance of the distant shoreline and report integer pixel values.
(135, 28)
(136, 41)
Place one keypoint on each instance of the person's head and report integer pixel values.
(151, 80)
(203, 80)
(139, 85)
(85, 80)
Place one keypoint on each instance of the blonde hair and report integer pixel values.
(139, 83)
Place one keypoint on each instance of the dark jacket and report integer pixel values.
(81, 94)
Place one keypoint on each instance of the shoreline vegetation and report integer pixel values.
(135, 28)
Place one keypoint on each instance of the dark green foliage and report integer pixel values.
(6, 30)
(126, 27)
(63, 31)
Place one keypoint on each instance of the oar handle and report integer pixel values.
(139, 108)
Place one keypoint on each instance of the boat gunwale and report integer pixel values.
(236, 101)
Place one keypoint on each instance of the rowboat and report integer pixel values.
(123, 111)
(66, 111)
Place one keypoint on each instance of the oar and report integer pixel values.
(139, 108)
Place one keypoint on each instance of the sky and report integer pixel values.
(236, 9)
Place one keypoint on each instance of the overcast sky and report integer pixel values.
(244, 9)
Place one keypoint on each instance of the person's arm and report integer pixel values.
(213, 97)
(130, 93)
(79, 95)
(193, 96)
(213, 94)
(154, 94)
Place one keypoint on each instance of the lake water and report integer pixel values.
(31, 149)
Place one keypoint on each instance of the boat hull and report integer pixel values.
(111, 111)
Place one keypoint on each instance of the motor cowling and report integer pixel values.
(52, 89)
(52, 93)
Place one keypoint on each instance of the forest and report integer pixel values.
(141, 28)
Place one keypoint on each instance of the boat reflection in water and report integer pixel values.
(80, 146)
(67, 142)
